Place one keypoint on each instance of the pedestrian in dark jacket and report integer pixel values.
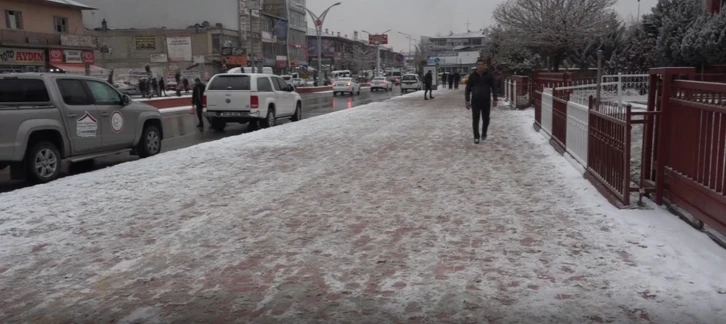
(162, 87)
(457, 80)
(451, 81)
(142, 87)
(444, 79)
(154, 87)
(185, 83)
(198, 100)
(177, 77)
(481, 91)
(428, 85)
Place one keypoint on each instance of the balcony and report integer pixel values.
(20, 37)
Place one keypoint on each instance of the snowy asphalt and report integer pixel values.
(383, 214)
(180, 130)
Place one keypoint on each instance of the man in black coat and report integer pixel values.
(481, 91)
(457, 79)
(198, 101)
(444, 79)
(428, 85)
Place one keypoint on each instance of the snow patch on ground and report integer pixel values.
(387, 212)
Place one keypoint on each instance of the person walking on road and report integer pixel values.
(162, 87)
(457, 80)
(444, 78)
(480, 89)
(451, 81)
(198, 102)
(428, 85)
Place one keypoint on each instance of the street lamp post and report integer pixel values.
(319, 30)
(378, 51)
(409, 42)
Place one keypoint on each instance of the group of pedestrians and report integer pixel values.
(453, 79)
(479, 95)
(152, 87)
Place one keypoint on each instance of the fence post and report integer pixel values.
(506, 89)
(620, 89)
(514, 97)
(599, 75)
(628, 144)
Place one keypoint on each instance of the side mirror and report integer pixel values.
(290, 88)
(126, 100)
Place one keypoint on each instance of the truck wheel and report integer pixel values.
(298, 113)
(218, 124)
(43, 162)
(150, 143)
(269, 121)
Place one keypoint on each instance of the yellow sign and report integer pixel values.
(145, 43)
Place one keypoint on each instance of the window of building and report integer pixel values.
(61, 24)
(13, 19)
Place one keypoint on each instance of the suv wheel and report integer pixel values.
(298, 113)
(269, 121)
(150, 143)
(218, 124)
(43, 162)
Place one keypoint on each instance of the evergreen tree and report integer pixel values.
(673, 18)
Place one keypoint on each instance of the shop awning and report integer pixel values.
(77, 68)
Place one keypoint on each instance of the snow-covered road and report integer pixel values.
(380, 214)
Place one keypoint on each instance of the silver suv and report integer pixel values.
(50, 118)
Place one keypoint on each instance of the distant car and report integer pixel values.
(127, 88)
(288, 79)
(380, 83)
(298, 82)
(410, 82)
(250, 97)
(343, 85)
(464, 79)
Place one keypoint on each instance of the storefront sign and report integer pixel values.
(179, 48)
(89, 57)
(237, 60)
(73, 56)
(21, 56)
(145, 42)
(56, 56)
(159, 58)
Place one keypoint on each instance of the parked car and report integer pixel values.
(47, 119)
(127, 88)
(250, 97)
(380, 83)
(410, 82)
(288, 79)
(343, 85)
(298, 82)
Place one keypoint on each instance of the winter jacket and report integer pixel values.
(480, 88)
(197, 94)
(428, 79)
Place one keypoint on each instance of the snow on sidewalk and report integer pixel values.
(383, 213)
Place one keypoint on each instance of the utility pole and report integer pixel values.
(409, 42)
(319, 31)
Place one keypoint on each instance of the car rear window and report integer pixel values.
(23, 90)
(236, 82)
(409, 77)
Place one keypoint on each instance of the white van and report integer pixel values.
(247, 69)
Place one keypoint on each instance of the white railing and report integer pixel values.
(577, 131)
(547, 102)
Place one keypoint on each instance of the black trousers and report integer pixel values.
(200, 110)
(427, 90)
(480, 110)
(456, 84)
(451, 84)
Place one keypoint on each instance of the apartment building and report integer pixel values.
(38, 35)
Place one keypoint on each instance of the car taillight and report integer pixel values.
(204, 101)
(254, 102)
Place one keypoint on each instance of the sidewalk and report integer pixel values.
(379, 214)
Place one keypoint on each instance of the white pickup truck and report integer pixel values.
(247, 97)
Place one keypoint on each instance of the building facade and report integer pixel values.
(454, 52)
(39, 35)
(341, 52)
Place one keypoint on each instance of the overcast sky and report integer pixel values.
(423, 17)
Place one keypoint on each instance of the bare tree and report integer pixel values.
(361, 56)
(552, 28)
